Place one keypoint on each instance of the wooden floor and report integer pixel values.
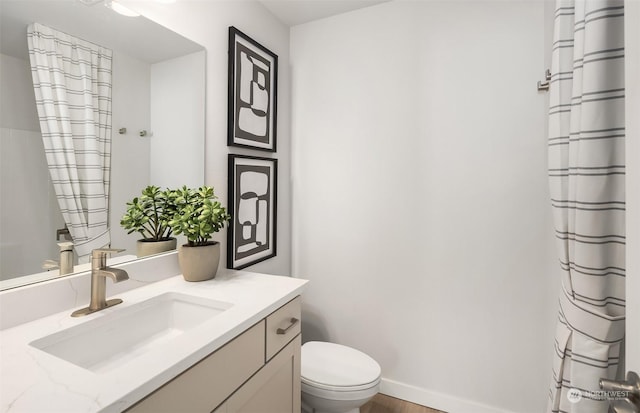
(385, 404)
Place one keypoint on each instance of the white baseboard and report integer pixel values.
(435, 400)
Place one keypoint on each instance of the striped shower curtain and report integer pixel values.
(586, 176)
(72, 83)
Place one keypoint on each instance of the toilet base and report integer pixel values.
(309, 409)
(321, 405)
(306, 408)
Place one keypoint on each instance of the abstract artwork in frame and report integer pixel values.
(252, 205)
(253, 90)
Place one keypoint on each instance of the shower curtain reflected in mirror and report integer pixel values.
(72, 83)
(587, 185)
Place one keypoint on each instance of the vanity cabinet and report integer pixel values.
(257, 371)
(273, 389)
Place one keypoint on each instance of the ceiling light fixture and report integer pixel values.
(119, 8)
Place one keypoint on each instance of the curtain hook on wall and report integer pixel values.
(545, 85)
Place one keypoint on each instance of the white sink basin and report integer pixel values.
(112, 340)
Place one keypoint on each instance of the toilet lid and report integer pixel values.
(335, 365)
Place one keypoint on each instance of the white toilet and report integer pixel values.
(337, 378)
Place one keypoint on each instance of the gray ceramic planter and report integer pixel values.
(145, 248)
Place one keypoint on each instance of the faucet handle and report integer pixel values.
(109, 250)
(101, 252)
(50, 265)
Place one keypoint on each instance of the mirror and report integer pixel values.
(158, 87)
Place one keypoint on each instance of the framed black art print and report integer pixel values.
(253, 91)
(252, 205)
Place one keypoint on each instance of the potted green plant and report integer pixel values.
(198, 216)
(149, 215)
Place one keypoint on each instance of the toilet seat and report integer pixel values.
(310, 383)
(334, 368)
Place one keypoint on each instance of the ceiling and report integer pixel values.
(294, 12)
(93, 22)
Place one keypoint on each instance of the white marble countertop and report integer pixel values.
(33, 381)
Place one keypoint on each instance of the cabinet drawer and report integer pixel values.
(208, 383)
(282, 326)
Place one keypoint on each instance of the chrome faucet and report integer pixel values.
(99, 274)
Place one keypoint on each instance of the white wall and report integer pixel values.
(25, 189)
(177, 121)
(17, 100)
(207, 22)
(130, 97)
(420, 201)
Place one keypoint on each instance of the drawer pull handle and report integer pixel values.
(292, 322)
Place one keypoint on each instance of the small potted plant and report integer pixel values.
(149, 215)
(198, 216)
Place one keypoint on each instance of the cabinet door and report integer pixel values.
(273, 389)
(205, 385)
